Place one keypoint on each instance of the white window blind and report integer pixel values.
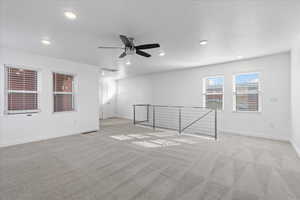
(63, 92)
(21, 90)
(213, 92)
(246, 90)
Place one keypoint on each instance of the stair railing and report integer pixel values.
(184, 119)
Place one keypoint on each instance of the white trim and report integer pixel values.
(204, 94)
(5, 88)
(254, 134)
(6, 91)
(297, 149)
(24, 67)
(73, 93)
(64, 112)
(259, 92)
(45, 138)
(13, 112)
(63, 73)
(247, 111)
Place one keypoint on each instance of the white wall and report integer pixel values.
(295, 97)
(46, 124)
(131, 91)
(184, 87)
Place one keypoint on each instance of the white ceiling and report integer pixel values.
(233, 28)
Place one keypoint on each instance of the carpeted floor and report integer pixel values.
(130, 162)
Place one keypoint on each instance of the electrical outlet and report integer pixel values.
(274, 100)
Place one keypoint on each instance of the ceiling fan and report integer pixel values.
(130, 48)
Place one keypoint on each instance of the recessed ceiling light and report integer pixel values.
(240, 57)
(45, 42)
(103, 73)
(128, 63)
(70, 15)
(203, 42)
(162, 53)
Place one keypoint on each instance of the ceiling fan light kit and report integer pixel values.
(130, 48)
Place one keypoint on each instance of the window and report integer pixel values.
(246, 90)
(21, 91)
(63, 92)
(213, 89)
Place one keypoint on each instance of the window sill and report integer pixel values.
(65, 112)
(253, 112)
(28, 113)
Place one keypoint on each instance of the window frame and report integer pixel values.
(204, 93)
(74, 92)
(234, 93)
(6, 91)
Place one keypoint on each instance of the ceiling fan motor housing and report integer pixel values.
(130, 50)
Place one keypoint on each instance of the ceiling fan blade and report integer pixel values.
(122, 55)
(125, 40)
(101, 47)
(142, 53)
(109, 69)
(147, 46)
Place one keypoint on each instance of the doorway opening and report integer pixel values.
(107, 98)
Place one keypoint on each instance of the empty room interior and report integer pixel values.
(150, 100)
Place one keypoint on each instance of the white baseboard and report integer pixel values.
(32, 140)
(297, 149)
(254, 134)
